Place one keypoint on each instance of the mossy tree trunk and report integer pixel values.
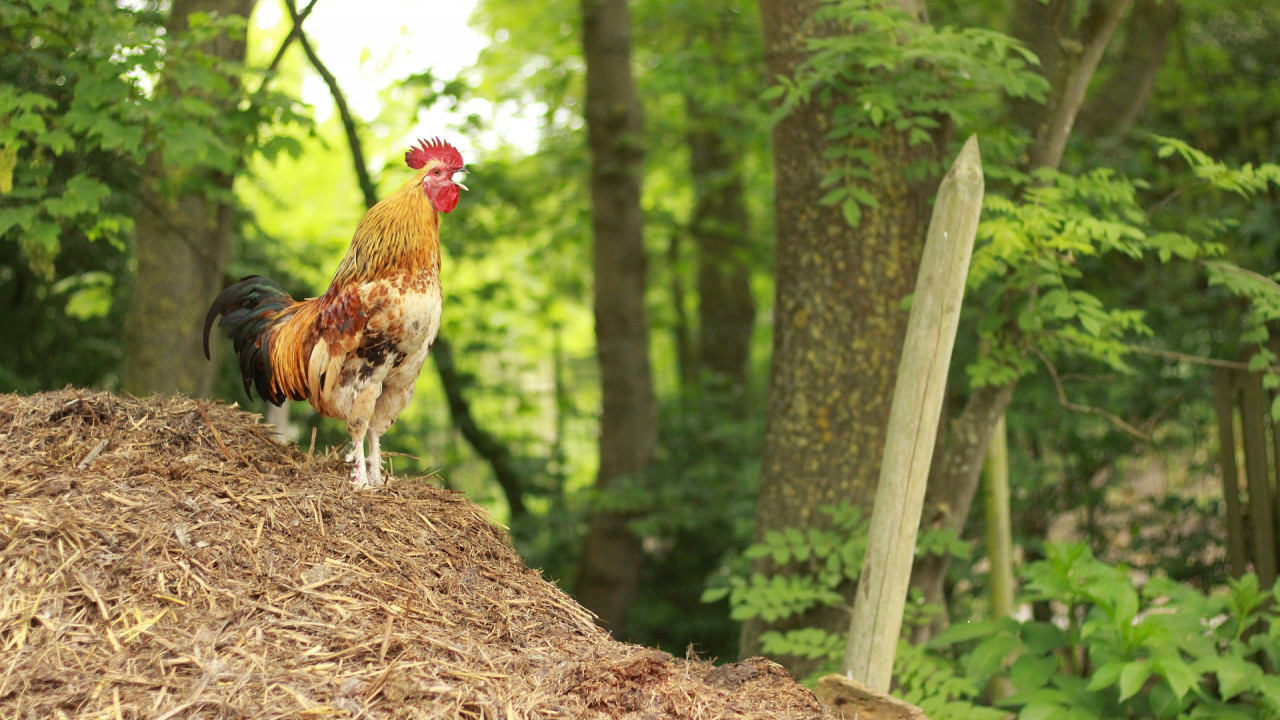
(610, 571)
(838, 317)
(183, 236)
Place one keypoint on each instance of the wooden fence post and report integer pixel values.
(1000, 580)
(1253, 429)
(913, 423)
(1224, 403)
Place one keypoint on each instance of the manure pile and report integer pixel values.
(164, 558)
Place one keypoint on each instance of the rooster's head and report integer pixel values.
(439, 161)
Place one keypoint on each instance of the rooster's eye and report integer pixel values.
(436, 172)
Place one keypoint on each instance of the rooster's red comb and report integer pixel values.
(424, 152)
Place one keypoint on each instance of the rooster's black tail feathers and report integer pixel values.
(249, 310)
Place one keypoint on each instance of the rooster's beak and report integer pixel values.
(464, 187)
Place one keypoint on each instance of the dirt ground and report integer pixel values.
(165, 558)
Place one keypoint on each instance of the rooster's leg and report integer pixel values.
(375, 460)
(361, 480)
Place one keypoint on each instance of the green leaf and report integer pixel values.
(1107, 674)
(1037, 696)
(8, 161)
(1043, 637)
(864, 197)
(83, 195)
(963, 631)
(1029, 672)
(1041, 711)
(852, 213)
(1091, 324)
(812, 643)
(715, 594)
(1057, 303)
(1269, 689)
(281, 144)
(1178, 674)
(1235, 675)
(1162, 701)
(28, 123)
(57, 140)
(988, 657)
(1133, 676)
(41, 244)
(833, 196)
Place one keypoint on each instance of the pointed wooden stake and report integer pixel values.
(913, 423)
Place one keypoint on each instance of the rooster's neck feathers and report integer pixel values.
(399, 234)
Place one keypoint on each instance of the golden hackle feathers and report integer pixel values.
(401, 232)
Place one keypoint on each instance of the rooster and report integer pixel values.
(355, 351)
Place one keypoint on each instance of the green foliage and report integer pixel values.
(57, 101)
(693, 59)
(1033, 253)
(933, 684)
(1031, 250)
(691, 509)
(1161, 650)
(825, 559)
(829, 558)
(89, 108)
(85, 111)
(889, 73)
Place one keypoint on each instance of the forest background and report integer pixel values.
(679, 412)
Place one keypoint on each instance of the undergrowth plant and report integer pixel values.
(832, 557)
(1116, 648)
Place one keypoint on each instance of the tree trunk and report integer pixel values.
(1116, 107)
(720, 228)
(609, 575)
(838, 316)
(1075, 54)
(181, 251)
(686, 356)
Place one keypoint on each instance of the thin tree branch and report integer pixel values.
(486, 444)
(1196, 359)
(294, 32)
(1075, 407)
(1170, 197)
(344, 111)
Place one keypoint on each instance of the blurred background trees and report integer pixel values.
(150, 153)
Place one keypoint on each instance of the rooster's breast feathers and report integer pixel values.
(375, 333)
